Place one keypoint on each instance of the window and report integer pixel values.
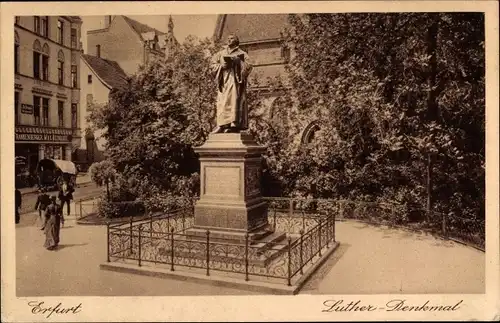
(89, 79)
(74, 115)
(74, 76)
(37, 24)
(73, 38)
(16, 107)
(45, 26)
(60, 32)
(45, 67)
(45, 112)
(60, 113)
(60, 71)
(16, 53)
(309, 133)
(36, 65)
(36, 109)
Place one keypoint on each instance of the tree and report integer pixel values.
(152, 126)
(399, 99)
(103, 173)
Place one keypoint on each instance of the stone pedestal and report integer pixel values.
(231, 204)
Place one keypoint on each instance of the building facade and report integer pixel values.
(113, 54)
(127, 42)
(47, 88)
(98, 77)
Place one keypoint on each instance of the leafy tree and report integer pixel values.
(152, 126)
(103, 173)
(399, 99)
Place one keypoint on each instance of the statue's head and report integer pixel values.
(233, 40)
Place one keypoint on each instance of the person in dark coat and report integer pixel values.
(66, 195)
(19, 200)
(42, 201)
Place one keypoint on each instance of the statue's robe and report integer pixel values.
(231, 83)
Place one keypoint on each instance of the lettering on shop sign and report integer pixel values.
(40, 137)
(27, 108)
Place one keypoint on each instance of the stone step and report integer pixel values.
(262, 257)
(269, 241)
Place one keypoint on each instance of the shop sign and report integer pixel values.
(27, 108)
(40, 137)
(24, 133)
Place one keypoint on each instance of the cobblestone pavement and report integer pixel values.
(369, 260)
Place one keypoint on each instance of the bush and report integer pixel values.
(110, 209)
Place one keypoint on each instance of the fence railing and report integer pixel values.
(163, 240)
(86, 207)
(292, 215)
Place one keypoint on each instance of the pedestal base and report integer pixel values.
(230, 198)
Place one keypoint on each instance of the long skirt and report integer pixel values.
(52, 229)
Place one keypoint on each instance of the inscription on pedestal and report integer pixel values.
(230, 185)
(222, 180)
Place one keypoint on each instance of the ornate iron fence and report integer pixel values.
(162, 239)
(448, 226)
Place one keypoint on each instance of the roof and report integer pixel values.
(251, 28)
(107, 71)
(140, 28)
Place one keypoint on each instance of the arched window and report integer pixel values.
(45, 62)
(60, 67)
(46, 49)
(36, 46)
(16, 52)
(309, 133)
(37, 57)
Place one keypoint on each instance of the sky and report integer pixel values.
(184, 25)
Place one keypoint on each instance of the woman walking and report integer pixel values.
(52, 226)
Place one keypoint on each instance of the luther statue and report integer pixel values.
(231, 67)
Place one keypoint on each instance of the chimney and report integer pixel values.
(98, 51)
(107, 21)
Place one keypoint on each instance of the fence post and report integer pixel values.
(303, 221)
(81, 211)
(301, 253)
(327, 230)
(172, 249)
(151, 227)
(443, 225)
(246, 256)
(183, 221)
(107, 235)
(290, 208)
(131, 243)
(274, 220)
(208, 253)
(289, 278)
(139, 242)
(319, 237)
(333, 228)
